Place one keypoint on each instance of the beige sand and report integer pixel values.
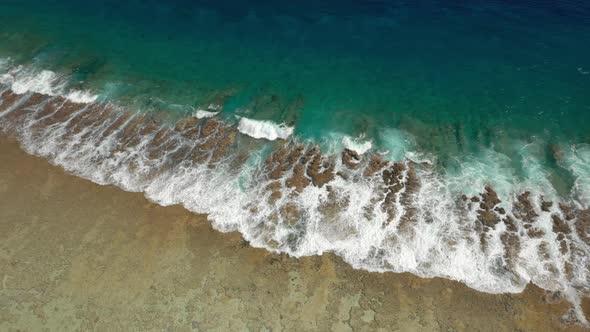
(78, 256)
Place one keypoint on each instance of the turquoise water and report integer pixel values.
(456, 77)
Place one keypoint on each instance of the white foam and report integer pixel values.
(23, 80)
(46, 82)
(201, 114)
(357, 144)
(215, 107)
(264, 129)
(81, 97)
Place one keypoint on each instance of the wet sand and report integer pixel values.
(78, 256)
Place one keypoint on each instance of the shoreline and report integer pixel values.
(371, 210)
(79, 256)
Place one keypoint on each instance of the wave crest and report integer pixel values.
(263, 129)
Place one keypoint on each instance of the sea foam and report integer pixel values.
(202, 114)
(357, 144)
(263, 129)
(46, 82)
(81, 97)
(23, 80)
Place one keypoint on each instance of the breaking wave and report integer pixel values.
(23, 80)
(81, 97)
(264, 129)
(202, 114)
(357, 144)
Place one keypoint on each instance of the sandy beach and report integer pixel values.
(78, 256)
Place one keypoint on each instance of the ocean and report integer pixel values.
(446, 139)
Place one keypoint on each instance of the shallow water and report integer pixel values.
(465, 95)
